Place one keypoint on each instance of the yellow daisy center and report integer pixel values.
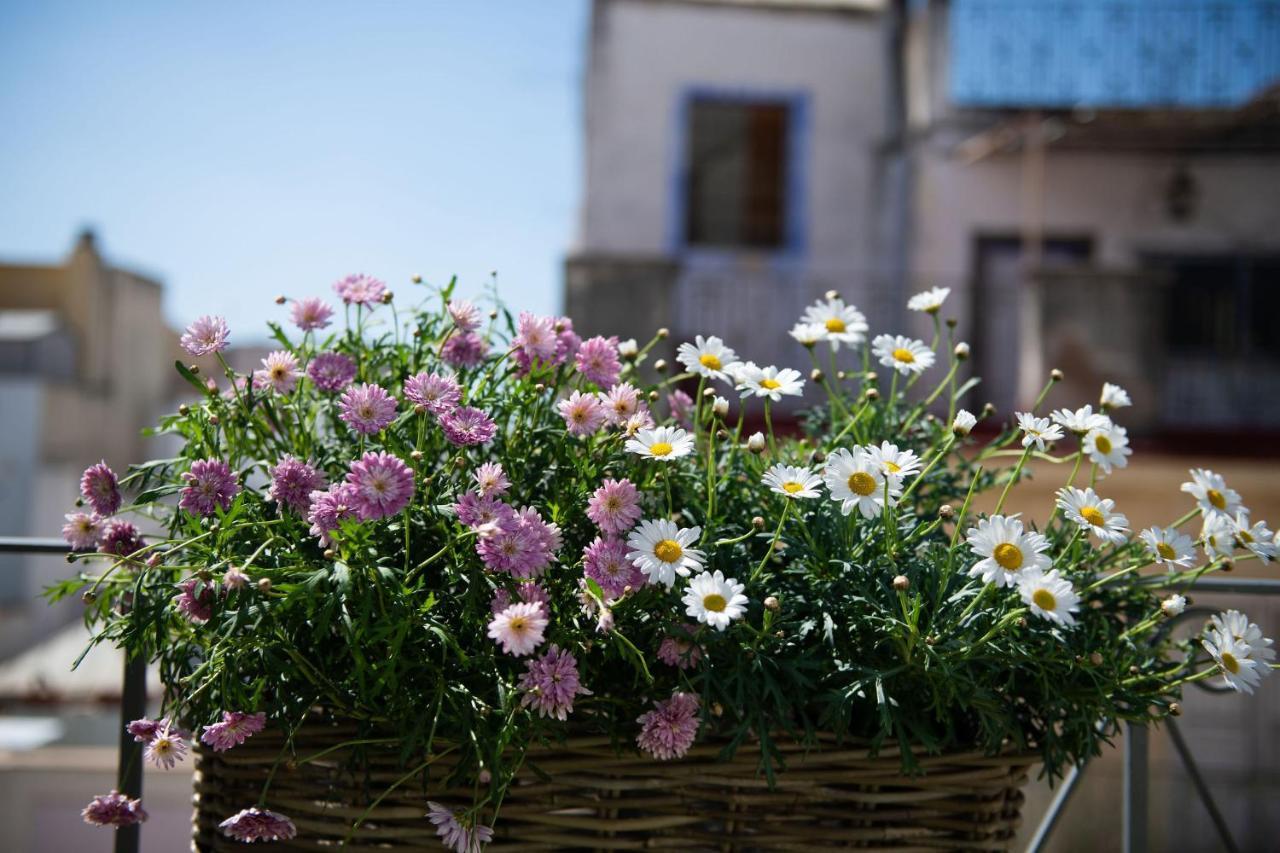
(892, 467)
(771, 384)
(904, 355)
(1093, 516)
(1044, 599)
(1245, 537)
(1102, 443)
(1229, 663)
(1165, 550)
(835, 325)
(1008, 555)
(1216, 498)
(710, 361)
(714, 602)
(792, 487)
(668, 551)
(862, 483)
(660, 448)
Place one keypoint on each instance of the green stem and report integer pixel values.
(786, 508)
(1013, 478)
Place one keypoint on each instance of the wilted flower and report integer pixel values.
(120, 537)
(195, 601)
(114, 809)
(255, 824)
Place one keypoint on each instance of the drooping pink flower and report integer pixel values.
(195, 601)
(82, 530)
(114, 809)
(210, 485)
(528, 592)
(360, 289)
(519, 628)
(165, 748)
(681, 405)
(605, 562)
(99, 486)
(491, 480)
(620, 402)
(436, 393)
(465, 315)
(678, 649)
(582, 413)
(367, 408)
(465, 350)
(279, 372)
(255, 824)
(597, 360)
(536, 337)
(233, 729)
(550, 683)
(467, 426)
(120, 537)
(476, 510)
(667, 731)
(331, 371)
(292, 482)
(457, 832)
(615, 506)
(233, 579)
(310, 313)
(144, 730)
(206, 336)
(330, 508)
(382, 485)
(567, 341)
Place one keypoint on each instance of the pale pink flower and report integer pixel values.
(550, 684)
(670, 728)
(582, 413)
(615, 506)
(206, 336)
(279, 372)
(310, 313)
(518, 629)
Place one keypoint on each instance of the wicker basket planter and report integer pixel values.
(584, 795)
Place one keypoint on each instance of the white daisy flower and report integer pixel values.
(843, 324)
(1234, 624)
(1095, 514)
(894, 462)
(770, 382)
(1218, 536)
(1212, 493)
(1050, 596)
(808, 334)
(1114, 397)
(1244, 664)
(964, 423)
(715, 600)
(906, 355)
(1081, 421)
(1169, 546)
(793, 481)
(1037, 430)
(629, 349)
(1173, 605)
(929, 301)
(1108, 448)
(662, 550)
(664, 443)
(707, 357)
(856, 480)
(1006, 550)
(1256, 538)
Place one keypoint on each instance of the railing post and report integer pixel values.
(133, 705)
(1135, 789)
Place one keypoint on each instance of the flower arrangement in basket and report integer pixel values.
(476, 535)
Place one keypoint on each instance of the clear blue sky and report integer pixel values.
(240, 149)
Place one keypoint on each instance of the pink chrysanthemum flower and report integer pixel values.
(669, 729)
(551, 683)
(82, 531)
(640, 420)
(681, 406)
(465, 315)
(567, 340)
(466, 426)
(206, 336)
(195, 601)
(382, 485)
(144, 730)
(114, 809)
(605, 562)
(233, 579)
(233, 729)
(536, 337)
(279, 372)
(456, 832)
(465, 350)
(491, 480)
(120, 537)
(166, 748)
(331, 371)
(582, 413)
(436, 393)
(615, 506)
(475, 510)
(620, 402)
(360, 290)
(292, 482)
(518, 628)
(679, 649)
(330, 508)
(597, 360)
(367, 408)
(310, 313)
(257, 824)
(522, 545)
(99, 486)
(211, 485)
(529, 592)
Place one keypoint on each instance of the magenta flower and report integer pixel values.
(465, 350)
(679, 649)
(367, 408)
(475, 510)
(582, 413)
(518, 628)
(528, 592)
(382, 485)
(82, 531)
(551, 683)
(597, 360)
(536, 337)
(310, 313)
(621, 402)
(436, 393)
(99, 486)
(567, 341)
(681, 405)
(669, 729)
(360, 290)
(114, 809)
(331, 371)
(255, 824)
(522, 545)
(615, 506)
(605, 562)
(457, 832)
(465, 315)
(206, 336)
(211, 486)
(144, 730)
(292, 482)
(233, 729)
(330, 508)
(466, 425)
(491, 480)
(279, 372)
(195, 601)
(120, 537)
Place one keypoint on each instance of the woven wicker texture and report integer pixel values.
(584, 796)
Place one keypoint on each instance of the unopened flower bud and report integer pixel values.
(280, 300)
(946, 511)
(654, 396)
(757, 522)
(89, 597)
(961, 351)
(660, 365)
(211, 386)
(841, 375)
(485, 777)
(755, 442)
(816, 375)
(771, 603)
(493, 315)
(832, 294)
(539, 387)
(329, 553)
(1095, 658)
(184, 409)
(779, 634)
(988, 409)
(720, 407)
(952, 322)
(1228, 566)
(872, 394)
(819, 457)
(419, 409)
(1175, 710)
(902, 583)
(194, 368)
(264, 585)
(872, 376)
(931, 640)
(417, 279)
(387, 297)
(214, 419)
(964, 423)
(153, 560)
(1056, 375)
(664, 333)
(1022, 622)
(722, 434)
(708, 393)
(1133, 670)
(717, 709)
(629, 349)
